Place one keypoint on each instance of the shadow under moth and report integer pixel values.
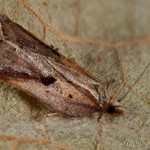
(39, 70)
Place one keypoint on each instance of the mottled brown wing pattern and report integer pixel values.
(33, 67)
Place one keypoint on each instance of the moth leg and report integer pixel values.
(107, 84)
(100, 116)
(48, 114)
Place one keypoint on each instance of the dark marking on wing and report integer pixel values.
(47, 80)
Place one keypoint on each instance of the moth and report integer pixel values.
(28, 64)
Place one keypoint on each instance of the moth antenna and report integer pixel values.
(134, 83)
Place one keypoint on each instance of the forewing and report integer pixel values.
(31, 66)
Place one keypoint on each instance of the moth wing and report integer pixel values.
(76, 67)
(20, 36)
(21, 52)
(25, 64)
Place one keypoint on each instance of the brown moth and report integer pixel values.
(37, 69)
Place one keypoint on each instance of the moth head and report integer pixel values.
(109, 104)
(112, 107)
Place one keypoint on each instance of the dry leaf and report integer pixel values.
(110, 39)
